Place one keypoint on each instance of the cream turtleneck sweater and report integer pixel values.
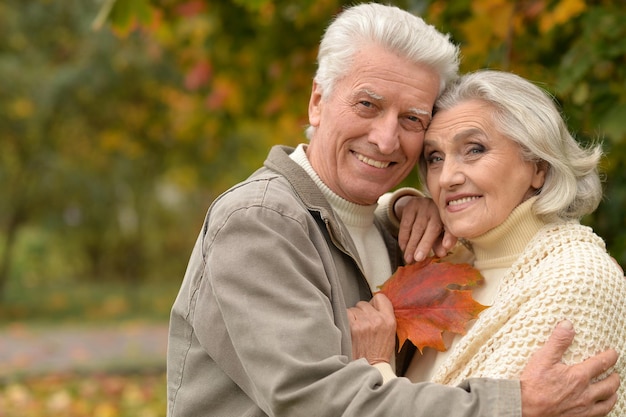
(359, 220)
(537, 275)
(494, 252)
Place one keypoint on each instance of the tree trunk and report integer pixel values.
(10, 235)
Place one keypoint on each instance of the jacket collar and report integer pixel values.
(279, 161)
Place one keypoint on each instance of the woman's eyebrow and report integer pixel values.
(458, 136)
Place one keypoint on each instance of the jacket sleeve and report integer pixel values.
(269, 310)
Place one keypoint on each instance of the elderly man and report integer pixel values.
(260, 326)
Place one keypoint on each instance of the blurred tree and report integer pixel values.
(83, 135)
(263, 50)
(114, 140)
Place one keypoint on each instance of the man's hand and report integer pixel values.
(421, 229)
(373, 329)
(551, 389)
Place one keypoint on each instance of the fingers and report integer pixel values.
(560, 339)
(441, 243)
(420, 229)
(599, 364)
(430, 239)
(377, 314)
(373, 329)
(606, 389)
(411, 229)
(602, 408)
(381, 303)
(448, 242)
(598, 400)
(551, 388)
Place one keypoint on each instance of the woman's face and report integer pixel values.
(475, 174)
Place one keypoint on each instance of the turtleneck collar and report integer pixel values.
(501, 246)
(354, 215)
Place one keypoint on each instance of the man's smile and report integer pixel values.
(372, 162)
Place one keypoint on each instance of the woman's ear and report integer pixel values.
(539, 176)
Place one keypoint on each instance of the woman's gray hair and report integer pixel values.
(392, 28)
(528, 115)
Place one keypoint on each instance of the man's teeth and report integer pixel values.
(461, 201)
(372, 162)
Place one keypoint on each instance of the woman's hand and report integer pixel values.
(421, 229)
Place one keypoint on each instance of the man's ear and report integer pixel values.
(315, 103)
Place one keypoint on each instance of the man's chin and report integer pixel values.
(367, 196)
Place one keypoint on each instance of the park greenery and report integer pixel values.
(122, 120)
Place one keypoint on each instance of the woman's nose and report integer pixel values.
(451, 174)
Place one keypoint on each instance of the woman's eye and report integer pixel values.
(476, 149)
(433, 158)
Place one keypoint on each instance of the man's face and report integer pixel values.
(370, 130)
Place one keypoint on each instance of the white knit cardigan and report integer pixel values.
(563, 273)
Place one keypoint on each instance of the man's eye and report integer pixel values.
(365, 108)
(416, 123)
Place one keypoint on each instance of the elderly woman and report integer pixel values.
(511, 182)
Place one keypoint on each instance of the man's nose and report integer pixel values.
(385, 133)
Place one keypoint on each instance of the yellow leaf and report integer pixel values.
(563, 12)
(22, 108)
(105, 409)
(496, 15)
(489, 26)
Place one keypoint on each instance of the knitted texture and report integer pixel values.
(564, 273)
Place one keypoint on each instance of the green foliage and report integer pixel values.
(114, 140)
(77, 302)
(86, 140)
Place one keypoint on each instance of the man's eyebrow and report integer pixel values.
(376, 96)
(422, 112)
(370, 93)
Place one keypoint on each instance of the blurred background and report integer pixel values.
(120, 122)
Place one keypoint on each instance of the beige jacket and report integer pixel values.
(259, 327)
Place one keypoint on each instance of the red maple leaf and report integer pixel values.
(431, 297)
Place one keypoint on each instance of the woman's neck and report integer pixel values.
(501, 246)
